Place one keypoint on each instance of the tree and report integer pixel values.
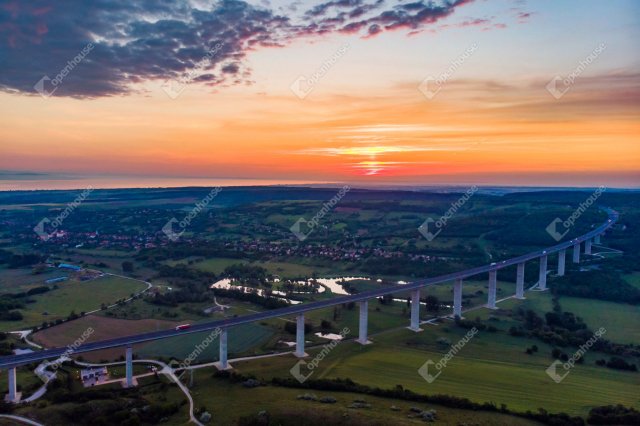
(127, 266)
(432, 302)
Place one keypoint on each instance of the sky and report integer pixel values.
(375, 92)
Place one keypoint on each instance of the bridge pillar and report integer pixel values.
(300, 336)
(493, 276)
(520, 281)
(542, 280)
(596, 239)
(457, 298)
(587, 247)
(415, 311)
(576, 253)
(13, 395)
(224, 362)
(129, 367)
(562, 254)
(364, 318)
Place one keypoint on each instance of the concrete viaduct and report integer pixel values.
(10, 363)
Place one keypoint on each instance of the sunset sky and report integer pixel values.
(458, 92)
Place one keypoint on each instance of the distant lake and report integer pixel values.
(115, 182)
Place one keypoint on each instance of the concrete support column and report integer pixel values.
(13, 385)
(300, 336)
(457, 298)
(562, 254)
(542, 283)
(596, 239)
(587, 247)
(129, 367)
(520, 281)
(415, 311)
(493, 277)
(364, 318)
(576, 253)
(224, 363)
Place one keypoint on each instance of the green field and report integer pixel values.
(216, 265)
(621, 321)
(240, 340)
(141, 309)
(295, 270)
(19, 280)
(283, 269)
(492, 367)
(78, 296)
(101, 252)
(217, 395)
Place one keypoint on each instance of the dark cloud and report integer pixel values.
(105, 47)
(323, 8)
(374, 29)
(231, 69)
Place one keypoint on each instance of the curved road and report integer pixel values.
(20, 419)
(18, 360)
(166, 370)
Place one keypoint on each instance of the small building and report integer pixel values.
(56, 280)
(91, 376)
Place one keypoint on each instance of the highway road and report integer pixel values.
(17, 360)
